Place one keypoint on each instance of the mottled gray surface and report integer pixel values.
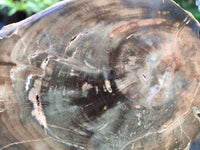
(103, 75)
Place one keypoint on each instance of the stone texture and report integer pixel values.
(103, 75)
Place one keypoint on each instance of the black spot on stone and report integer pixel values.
(198, 115)
(37, 98)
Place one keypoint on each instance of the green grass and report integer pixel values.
(28, 6)
(33, 6)
(190, 6)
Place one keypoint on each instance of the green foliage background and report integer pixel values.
(28, 6)
(34, 6)
(190, 6)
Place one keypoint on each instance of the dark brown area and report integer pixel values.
(117, 74)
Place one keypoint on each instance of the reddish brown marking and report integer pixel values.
(7, 64)
(138, 106)
(73, 38)
(144, 75)
(122, 29)
(171, 63)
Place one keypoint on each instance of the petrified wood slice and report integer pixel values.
(101, 75)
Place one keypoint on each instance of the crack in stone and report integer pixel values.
(22, 142)
(195, 109)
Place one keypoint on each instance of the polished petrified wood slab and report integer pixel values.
(101, 75)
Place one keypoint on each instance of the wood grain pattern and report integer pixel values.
(101, 75)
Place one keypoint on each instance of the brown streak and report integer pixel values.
(7, 64)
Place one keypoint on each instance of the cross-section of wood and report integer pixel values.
(101, 75)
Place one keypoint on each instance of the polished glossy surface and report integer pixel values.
(103, 75)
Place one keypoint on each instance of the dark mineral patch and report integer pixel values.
(103, 75)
